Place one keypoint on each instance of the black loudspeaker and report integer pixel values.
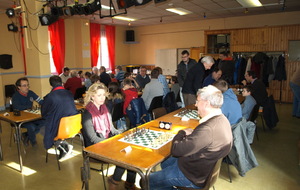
(6, 61)
(129, 35)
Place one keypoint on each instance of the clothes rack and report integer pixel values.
(247, 55)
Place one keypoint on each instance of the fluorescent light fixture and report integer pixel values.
(250, 3)
(179, 11)
(105, 7)
(124, 18)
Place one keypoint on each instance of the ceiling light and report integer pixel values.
(179, 11)
(250, 3)
(124, 18)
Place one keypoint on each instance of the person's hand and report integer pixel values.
(188, 131)
(244, 82)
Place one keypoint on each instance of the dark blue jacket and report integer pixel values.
(21, 102)
(57, 104)
(208, 80)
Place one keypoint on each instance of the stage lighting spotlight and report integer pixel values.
(78, 9)
(47, 19)
(57, 11)
(12, 27)
(92, 7)
(123, 4)
(141, 2)
(10, 12)
(68, 11)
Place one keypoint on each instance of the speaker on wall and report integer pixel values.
(129, 35)
(6, 61)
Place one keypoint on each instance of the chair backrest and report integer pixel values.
(117, 111)
(169, 102)
(254, 113)
(212, 178)
(69, 127)
(155, 103)
(158, 112)
(138, 113)
(79, 92)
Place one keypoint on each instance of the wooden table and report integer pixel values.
(17, 122)
(139, 159)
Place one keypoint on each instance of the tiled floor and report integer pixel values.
(276, 152)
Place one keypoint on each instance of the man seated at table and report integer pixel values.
(104, 77)
(57, 104)
(195, 152)
(231, 107)
(249, 102)
(128, 75)
(65, 75)
(142, 78)
(152, 89)
(213, 77)
(73, 83)
(119, 74)
(23, 100)
(259, 91)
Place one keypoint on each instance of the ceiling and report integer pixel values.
(151, 13)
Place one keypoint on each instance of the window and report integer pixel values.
(218, 43)
(52, 66)
(103, 59)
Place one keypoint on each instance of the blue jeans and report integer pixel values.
(169, 176)
(32, 129)
(296, 102)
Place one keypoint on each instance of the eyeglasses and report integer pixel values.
(183, 57)
(25, 85)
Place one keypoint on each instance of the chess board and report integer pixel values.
(149, 139)
(191, 114)
(37, 111)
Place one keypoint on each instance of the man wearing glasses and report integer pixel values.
(22, 100)
(182, 68)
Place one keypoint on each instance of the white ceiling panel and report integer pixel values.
(150, 13)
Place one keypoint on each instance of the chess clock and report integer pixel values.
(165, 125)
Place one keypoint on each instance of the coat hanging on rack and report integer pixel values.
(280, 72)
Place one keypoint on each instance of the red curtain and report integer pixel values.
(110, 36)
(95, 42)
(57, 40)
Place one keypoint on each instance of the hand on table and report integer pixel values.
(188, 131)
